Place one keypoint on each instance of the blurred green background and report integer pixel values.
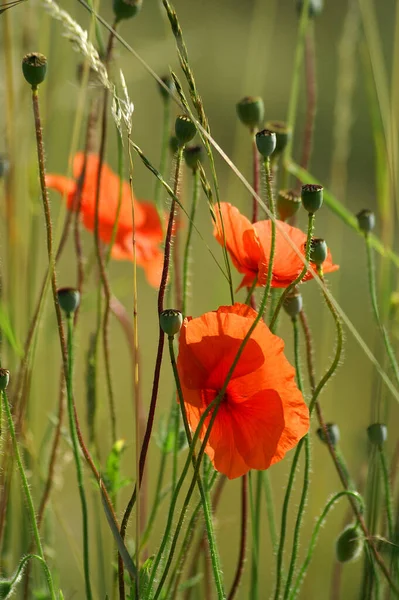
(236, 49)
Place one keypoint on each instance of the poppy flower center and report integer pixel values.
(209, 395)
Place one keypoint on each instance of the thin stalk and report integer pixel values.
(243, 538)
(78, 464)
(29, 501)
(187, 249)
(256, 528)
(387, 492)
(256, 178)
(271, 516)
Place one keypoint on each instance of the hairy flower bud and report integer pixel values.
(377, 433)
(69, 299)
(312, 197)
(266, 142)
(4, 379)
(251, 111)
(349, 544)
(333, 434)
(126, 9)
(366, 220)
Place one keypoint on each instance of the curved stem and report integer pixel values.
(187, 249)
(243, 539)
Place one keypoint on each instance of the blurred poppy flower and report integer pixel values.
(147, 223)
(262, 414)
(249, 247)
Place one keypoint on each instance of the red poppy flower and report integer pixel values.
(147, 224)
(262, 414)
(249, 247)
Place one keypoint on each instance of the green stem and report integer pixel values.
(255, 514)
(78, 464)
(311, 220)
(373, 295)
(187, 249)
(271, 516)
(29, 501)
(387, 491)
(315, 534)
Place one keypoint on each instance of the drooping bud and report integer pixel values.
(126, 9)
(293, 303)
(366, 220)
(34, 67)
(185, 129)
(312, 197)
(333, 434)
(315, 7)
(251, 111)
(171, 321)
(69, 299)
(169, 83)
(266, 142)
(318, 251)
(4, 379)
(288, 203)
(193, 155)
(377, 433)
(349, 544)
(283, 135)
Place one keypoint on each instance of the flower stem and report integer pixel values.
(255, 514)
(271, 516)
(255, 159)
(187, 250)
(25, 485)
(387, 491)
(243, 539)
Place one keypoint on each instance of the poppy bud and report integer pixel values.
(173, 144)
(125, 9)
(349, 544)
(168, 81)
(251, 111)
(318, 251)
(4, 379)
(377, 433)
(4, 166)
(333, 434)
(185, 129)
(315, 7)
(193, 155)
(288, 203)
(293, 303)
(266, 142)
(171, 321)
(366, 220)
(283, 135)
(34, 67)
(69, 299)
(312, 197)
(6, 586)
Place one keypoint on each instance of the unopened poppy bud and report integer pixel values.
(34, 67)
(318, 251)
(69, 299)
(312, 197)
(349, 544)
(193, 155)
(293, 303)
(4, 379)
(288, 203)
(333, 434)
(283, 135)
(266, 142)
(377, 433)
(6, 586)
(4, 166)
(251, 111)
(126, 9)
(169, 83)
(366, 220)
(173, 144)
(185, 129)
(171, 321)
(315, 7)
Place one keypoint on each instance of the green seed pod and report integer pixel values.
(315, 7)
(251, 111)
(366, 220)
(171, 321)
(69, 299)
(312, 197)
(266, 142)
(333, 434)
(170, 84)
(293, 303)
(173, 144)
(126, 9)
(185, 129)
(6, 588)
(4, 166)
(349, 544)
(34, 67)
(193, 155)
(4, 379)
(288, 203)
(377, 434)
(318, 251)
(283, 135)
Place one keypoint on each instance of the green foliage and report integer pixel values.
(144, 579)
(165, 437)
(113, 480)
